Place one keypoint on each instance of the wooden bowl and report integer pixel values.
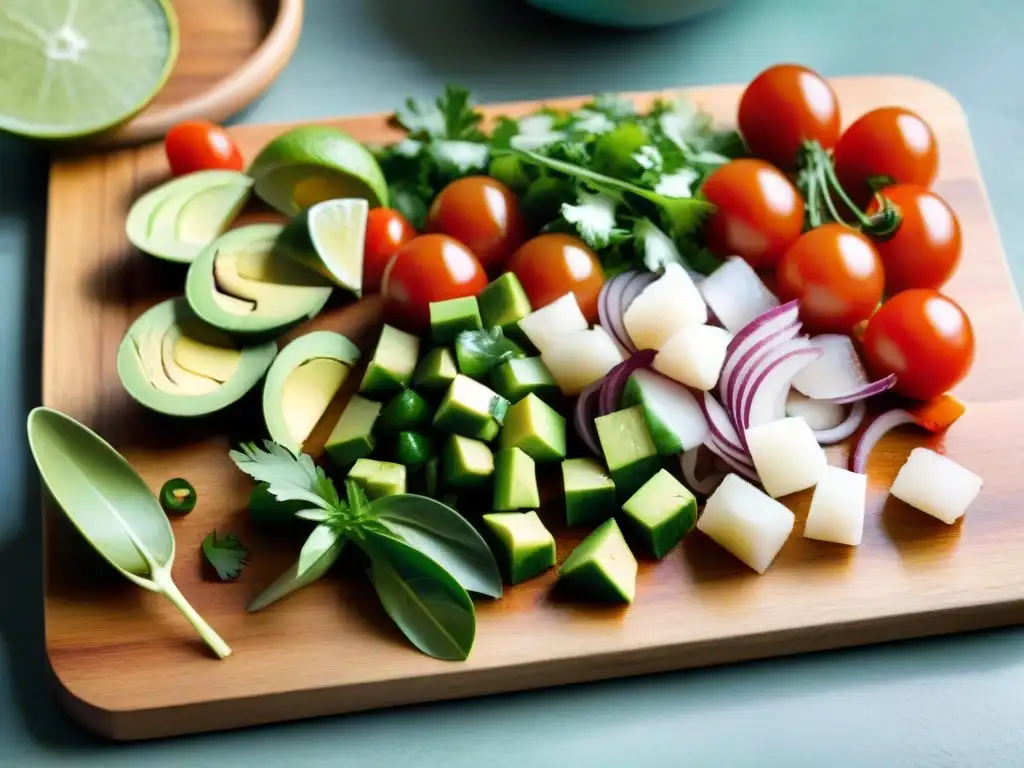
(231, 51)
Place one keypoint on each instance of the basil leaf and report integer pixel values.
(430, 607)
(443, 535)
(319, 553)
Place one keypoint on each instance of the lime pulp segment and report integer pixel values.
(338, 231)
(74, 67)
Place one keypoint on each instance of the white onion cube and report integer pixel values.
(580, 358)
(936, 484)
(736, 294)
(837, 508)
(694, 356)
(786, 455)
(745, 521)
(669, 303)
(543, 326)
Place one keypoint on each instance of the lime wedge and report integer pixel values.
(329, 238)
(314, 163)
(71, 68)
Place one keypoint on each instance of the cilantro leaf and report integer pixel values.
(453, 115)
(657, 248)
(226, 554)
(594, 219)
(480, 351)
(288, 477)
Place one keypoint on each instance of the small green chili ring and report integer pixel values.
(177, 496)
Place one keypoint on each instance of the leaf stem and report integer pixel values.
(171, 592)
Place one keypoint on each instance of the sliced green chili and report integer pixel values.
(177, 496)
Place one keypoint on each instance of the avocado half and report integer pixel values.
(301, 383)
(179, 218)
(172, 362)
(242, 284)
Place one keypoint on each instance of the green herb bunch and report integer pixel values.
(425, 558)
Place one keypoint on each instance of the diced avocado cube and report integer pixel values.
(479, 352)
(536, 428)
(407, 410)
(515, 379)
(436, 371)
(661, 513)
(378, 478)
(449, 318)
(394, 360)
(503, 303)
(266, 511)
(602, 567)
(589, 492)
(413, 449)
(352, 437)
(466, 462)
(525, 547)
(471, 409)
(515, 481)
(628, 449)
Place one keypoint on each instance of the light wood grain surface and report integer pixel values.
(128, 666)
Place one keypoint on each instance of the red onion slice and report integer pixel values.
(875, 431)
(738, 467)
(752, 362)
(736, 295)
(838, 376)
(819, 414)
(615, 380)
(722, 429)
(583, 418)
(610, 308)
(688, 464)
(766, 399)
(842, 431)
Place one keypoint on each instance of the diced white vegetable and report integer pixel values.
(558, 318)
(669, 303)
(819, 414)
(694, 356)
(746, 522)
(736, 294)
(936, 484)
(786, 455)
(580, 358)
(837, 508)
(675, 420)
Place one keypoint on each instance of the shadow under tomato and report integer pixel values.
(919, 538)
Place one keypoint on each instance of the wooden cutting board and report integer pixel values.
(128, 666)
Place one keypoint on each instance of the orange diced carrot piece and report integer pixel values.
(936, 415)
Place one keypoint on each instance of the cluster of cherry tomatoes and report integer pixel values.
(882, 287)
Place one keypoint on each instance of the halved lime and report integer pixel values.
(329, 238)
(71, 68)
(313, 163)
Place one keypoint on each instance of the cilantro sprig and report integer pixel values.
(226, 554)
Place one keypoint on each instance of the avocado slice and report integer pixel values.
(628, 448)
(378, 478)
(661, 513)
(515, 481)
(525, 547)
(471, 409)
(589, 492)
(352, 437)
(172, 362)
(503, 303)
(393, 363)
(536, 428)
(674, 418)
(602, 567)
(516, 378)
(449, 318)
(242, 284)
(179, 218)
(302, 382)
(466, 462)
(435, 371)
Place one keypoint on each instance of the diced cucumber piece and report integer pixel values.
(503, 303)
(394, 360)
(352, 437)
(515, 481)
(451, 317)
(466, 462)
(378, 478)
(602, 567)
(536, 428)
(589, 492)
(471, 409)
(407, 410)
(515, 379)
(674, 418)
(661, 513)
(628, 449)
(436, 371)
(413, 449)
(525, 547)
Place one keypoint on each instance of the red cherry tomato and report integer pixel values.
(198, 145)
(783, 107)
(481, 213)
(551, 265)
(836, 274)
(890, 142)
(759, 212)
(386, 231)
(925, 250)
(925, 338)
(428, 268)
